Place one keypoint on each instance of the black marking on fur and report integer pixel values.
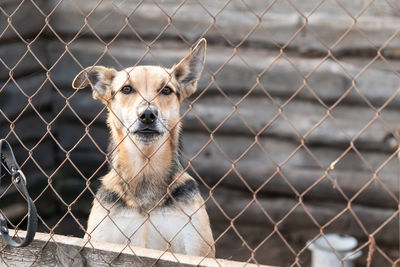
(93, 76)
(182, 193)
(150, 191)
(107, 197)
(100, 83)
(178, 95)
(178, 73)
(180, 148)
(189, 78)
(194, 69)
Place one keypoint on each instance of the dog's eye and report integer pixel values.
(166, 90)
(127, 89)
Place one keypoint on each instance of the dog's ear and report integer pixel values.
(99, 78)
(187, 72)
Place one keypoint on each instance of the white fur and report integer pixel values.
(164, 228)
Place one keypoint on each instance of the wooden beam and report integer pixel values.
(56, 250)
(278, 76)
(15, 93)
(276, 27)
(293, 218)
(259, 168)
(259, 115)
(19, 11)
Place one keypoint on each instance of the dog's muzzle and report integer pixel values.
(149, 116)
(147, 129)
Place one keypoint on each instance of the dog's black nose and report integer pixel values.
(148, 116)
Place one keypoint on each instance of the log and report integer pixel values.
(259, 169)
(236, 21)
(276, 150)
(274, 251)
(13, 52)
(70, 134)
(36, 182)
(292, 218)
(56, 250)
(15, 211)
(312, 184)
(278, 76)
(329, 7)
(14, 97)
(363, 61)
(79, 106)
(37, 128)
(252, 115)
(17, 13)
(258, 115)
(44, 156)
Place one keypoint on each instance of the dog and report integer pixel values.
(146, 199)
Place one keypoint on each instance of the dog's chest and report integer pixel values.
(162, 226)
(171, 225)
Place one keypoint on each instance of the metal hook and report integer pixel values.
(18, 176)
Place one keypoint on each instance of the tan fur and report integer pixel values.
(144, 174)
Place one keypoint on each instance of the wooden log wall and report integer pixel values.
(25, 92)
(296, 107)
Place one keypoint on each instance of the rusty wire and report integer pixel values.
(283, 51)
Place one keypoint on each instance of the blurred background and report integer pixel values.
(285, 134)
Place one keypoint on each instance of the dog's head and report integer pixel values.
(144, 101)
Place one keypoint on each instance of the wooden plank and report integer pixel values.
(79, 106)
(273, 152)
(275, 252)
(16, 12)
(259, 115)
(279, 76)
(56, 250)
(21, 125)
(322, 29)
(16, 57)
(328, 7)
(73, 135)
(336, 127)
(268, 152)
(14, 97)
(259, 168)
(292, 218)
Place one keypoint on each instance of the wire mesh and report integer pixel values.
(285, 134)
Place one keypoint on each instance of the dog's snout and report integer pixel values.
(148, 116)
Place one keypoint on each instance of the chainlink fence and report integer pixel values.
(291, 134)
